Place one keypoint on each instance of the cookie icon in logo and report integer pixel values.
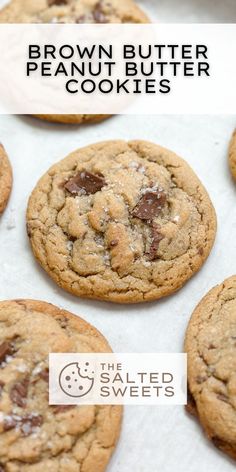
(76, 380)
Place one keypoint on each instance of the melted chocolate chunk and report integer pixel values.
(71, 238)
(2, 469)
(150, 205)
(44, 374)
(191, 404)
(6, 349)
(90, 183)
(51, 3)
(9, 423)
(62, 408)
(156, 238)
(29, 422)
(25, 424)
(19, 391)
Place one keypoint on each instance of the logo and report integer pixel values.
(76, 379)
(117, 378)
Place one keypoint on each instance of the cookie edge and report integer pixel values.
(6, 179)
(232, 155)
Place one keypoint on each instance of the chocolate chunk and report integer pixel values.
(19, 391)
(1, 387)
(156, 238)
(6, 349)
(51, 3)
(150, 205)
(9, 423)
(98, 14)
(211, 346)
(25, 424)
(2, 469)
(90, 183)
(44, 374)
(29, 422)
(191, 404)
(62, 408)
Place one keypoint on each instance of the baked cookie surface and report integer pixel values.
(72, 11)
(232, 155)
(210, 345)
(5, 179)
(121, 221)
(34, 436)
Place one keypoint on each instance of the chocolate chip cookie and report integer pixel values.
(5, 178)
(121, 221)
(35, 436)
(72, 11)
(210, 344)
(232, 155)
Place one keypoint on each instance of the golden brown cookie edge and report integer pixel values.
(6, 179)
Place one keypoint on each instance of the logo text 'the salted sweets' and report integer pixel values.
(117, 378)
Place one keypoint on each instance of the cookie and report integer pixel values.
(121, 221)
(232, 155)
(72, 11)
(5, 178)
(35, 436)
(73, 119)
(210, 345)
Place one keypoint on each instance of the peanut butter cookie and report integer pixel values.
(232, 155)
(121, 221)
(5, 178)
(35, 436)
(72, 11)
(210, 345)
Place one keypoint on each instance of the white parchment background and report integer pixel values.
(153, 439)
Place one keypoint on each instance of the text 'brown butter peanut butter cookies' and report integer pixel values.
(5, 179)
(72, 11)
(211, 347)
(121, 221)
(33, 435)
(232, 155)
